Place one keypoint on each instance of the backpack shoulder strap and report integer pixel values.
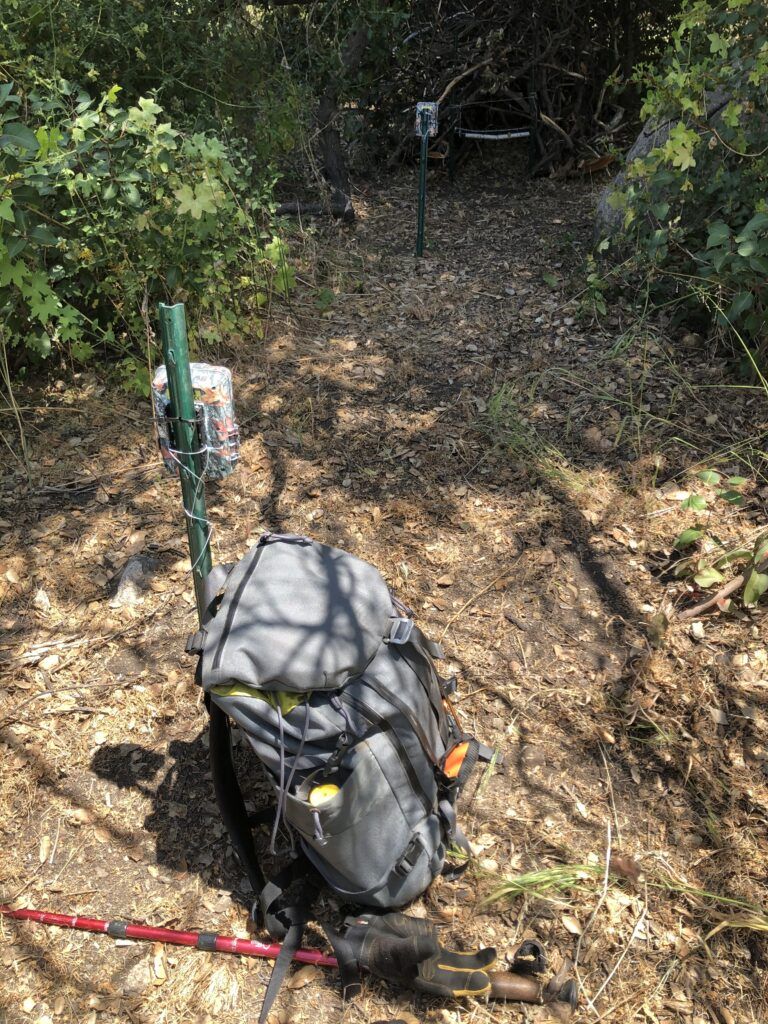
(286, 921)
(229, 796)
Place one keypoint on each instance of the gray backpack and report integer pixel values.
(336, 690)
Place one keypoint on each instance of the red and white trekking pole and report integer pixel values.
(208, 941)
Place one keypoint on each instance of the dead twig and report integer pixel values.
(458, 78)
(593, 915)
(632, 937)
(479, 594)
(724, 592)
(610, 795)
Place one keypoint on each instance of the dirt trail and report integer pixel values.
(368, 422)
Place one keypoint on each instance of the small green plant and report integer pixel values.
(508, 426)
(593, 302)
(706, 559)
(324, 299)
(545, 883)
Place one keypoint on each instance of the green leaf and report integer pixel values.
(717, 44)
(82, 351)
(18, 136)
(15, 246)
(735, 555)
(687, 537)
(12, 272)
(550, 279)
(132, 195)
(45, 306)
(742, 302)
(761, 549)
(694, 501)
(755, 587)
(732, 497)
(680, 145)
(325, 299)
(753, 226)
(39, 343)
(736, 481)
(709, 476)
(149, 106)
(196, 203)
(748, 247)
(708, 577)
(719, 232)
(43, 235)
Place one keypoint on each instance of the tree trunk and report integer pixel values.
(329, 139)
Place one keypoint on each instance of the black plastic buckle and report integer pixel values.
(400, 631)
(196, 642)
(410, 858)
(448, 686)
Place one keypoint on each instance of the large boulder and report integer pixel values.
(655, 133)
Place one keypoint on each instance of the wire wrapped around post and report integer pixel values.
(173, 336)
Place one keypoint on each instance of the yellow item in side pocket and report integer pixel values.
(321, 794)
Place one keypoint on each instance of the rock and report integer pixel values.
(136, 980)
(41, 601)
(608, 222)
(135, 580)
(697, 630)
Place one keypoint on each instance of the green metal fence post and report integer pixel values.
(424, 129)
(173, 335)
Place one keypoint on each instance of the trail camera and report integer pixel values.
(218, 433)
(430, 111)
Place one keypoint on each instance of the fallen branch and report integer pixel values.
(722, 594)
(462, 75)
(553, 124)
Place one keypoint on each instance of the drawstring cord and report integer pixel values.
(285, 786)
(281, 787)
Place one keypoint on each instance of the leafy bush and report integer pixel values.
(104, 209)
(211, 65)
(696, 206)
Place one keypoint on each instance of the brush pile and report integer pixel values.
(483, 60)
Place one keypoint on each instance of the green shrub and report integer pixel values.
(106, 209)
(211, 65)
(697, 206)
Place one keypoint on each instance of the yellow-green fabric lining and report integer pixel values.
(282, 699)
